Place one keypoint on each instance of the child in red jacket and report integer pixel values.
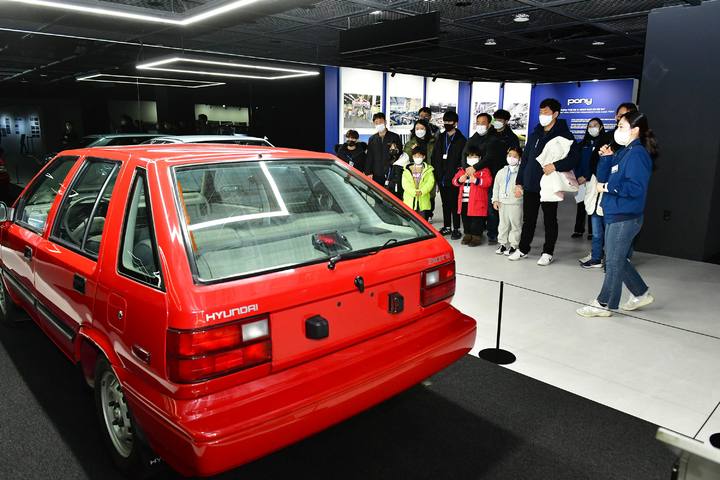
(474, 180)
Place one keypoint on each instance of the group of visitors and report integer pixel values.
(491, 187)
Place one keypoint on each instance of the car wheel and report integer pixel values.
(128, 449)
(9, 312)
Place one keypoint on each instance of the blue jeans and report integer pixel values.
(493, 219)
(618, 269)
(598, 236)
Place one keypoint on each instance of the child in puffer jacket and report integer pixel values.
(508, 204)
(474, 180)
(418, 181)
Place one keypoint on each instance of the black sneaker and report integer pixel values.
(445, 231)
(576, 235)
(592, 264)
(456, 235)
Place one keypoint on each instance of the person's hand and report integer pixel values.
(518, 191)
(600, 187)
(549, 168)
(605, 150)
(418, 193)
(470, 171)
(581, 180)
(496, 205)
(463, 179)
(370, 176)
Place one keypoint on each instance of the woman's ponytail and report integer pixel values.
(647, 136)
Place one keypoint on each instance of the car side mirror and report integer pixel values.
(6, 212)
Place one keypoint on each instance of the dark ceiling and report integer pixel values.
(41, 45)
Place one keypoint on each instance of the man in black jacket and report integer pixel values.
(378, 161)
(492, 154)
(502, 130)
(446, 160)
(528, 180)
(353, 152)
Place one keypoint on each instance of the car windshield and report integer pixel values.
(246, 141)
(87, 141)
(244, 218)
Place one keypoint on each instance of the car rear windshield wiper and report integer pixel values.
(358, 254)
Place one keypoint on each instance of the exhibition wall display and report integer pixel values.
(405, 96)
(145, 111)
(581, 101)
(516, 100)
(224, 113)
(362, 97)
(485, 99)
(442, 96)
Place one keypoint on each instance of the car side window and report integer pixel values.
(138, 248)
(34, 207)
(81, 219)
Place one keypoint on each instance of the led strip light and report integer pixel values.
(154, 81)
(162, 65)
(118, 13)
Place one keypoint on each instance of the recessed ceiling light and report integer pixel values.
(612, 68)
(521, 18)
(118, 13)
(595, 80)
(533, 68)
(154, 81)
(282, 72)
(490, 41)
(376, 12)
(560, 58)
(598, 43)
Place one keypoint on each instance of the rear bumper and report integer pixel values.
(224, 430)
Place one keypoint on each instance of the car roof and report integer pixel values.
(194, 153)
(207, 138)
(121, 135)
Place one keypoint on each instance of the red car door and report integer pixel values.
(66, 262)
(21, 237)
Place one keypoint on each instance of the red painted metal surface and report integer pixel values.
(207, 427)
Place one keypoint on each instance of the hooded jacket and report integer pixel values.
(480, 185)
(530, 171)
(445, 168)
(354, 158)
(427, 184)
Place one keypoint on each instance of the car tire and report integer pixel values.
(124, 440)
(10, 314)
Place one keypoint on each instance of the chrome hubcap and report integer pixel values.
(116, 414)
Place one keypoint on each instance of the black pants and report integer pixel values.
(531, 209)
(449, 198)
(580, 220)
(472, 225)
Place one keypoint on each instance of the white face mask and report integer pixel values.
(622, 137)
(380, 127)
(420, 133)
(498, 125)
(418, 160)
(481, 129)
(472, 161)
(594, 131)
(512, 161)
(545, 120)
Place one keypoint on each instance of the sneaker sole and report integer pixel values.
(587, 267)
(545, 264)
(645, 303)
(604, 314)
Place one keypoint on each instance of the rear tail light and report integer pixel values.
(437, 284)
(197, 355)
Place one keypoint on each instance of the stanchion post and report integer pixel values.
(497, 355)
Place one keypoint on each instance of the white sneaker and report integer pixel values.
(594, 310)
(501, 250)
(638, 302)
(586, 258)
(545, 260)
(517, 255)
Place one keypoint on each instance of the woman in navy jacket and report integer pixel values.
(623, 203)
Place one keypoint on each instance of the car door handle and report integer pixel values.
(79, 283)
(27, 253)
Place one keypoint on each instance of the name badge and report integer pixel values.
(445, 156)
(387, 182)
(615, 169)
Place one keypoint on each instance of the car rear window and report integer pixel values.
(246, 218)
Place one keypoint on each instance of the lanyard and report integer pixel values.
(507, 179)
(448, 144)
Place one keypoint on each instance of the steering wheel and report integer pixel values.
(76, 232)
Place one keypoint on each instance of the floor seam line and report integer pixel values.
(707, 420)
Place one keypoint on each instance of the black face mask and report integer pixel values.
(351, 142)
(449, 127)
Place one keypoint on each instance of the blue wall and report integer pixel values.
(581, 103)
(332, 108)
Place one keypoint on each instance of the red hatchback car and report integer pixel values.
(225, 302)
